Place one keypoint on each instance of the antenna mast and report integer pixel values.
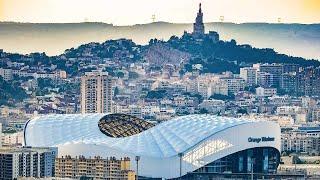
(153, 18)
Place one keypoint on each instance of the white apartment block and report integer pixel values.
(249, 74)
(27, 162)
(203, 86)
(192, 86)
(235, 84)
(137, 110)
(315, 114)
(218, 87)
(6, 74)
(23, 73)
(298, 113)
(266, 92)
(307, 141)
(213, 105)
(265, 79)
(288, 110)
(46, 75)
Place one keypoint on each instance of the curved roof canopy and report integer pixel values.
(166, 139)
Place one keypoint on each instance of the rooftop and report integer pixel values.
(166, 139)
(24, 149)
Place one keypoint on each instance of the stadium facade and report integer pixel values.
(174, 148)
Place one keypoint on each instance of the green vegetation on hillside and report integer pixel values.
(10, 93)
(156, 94)
(229, 56)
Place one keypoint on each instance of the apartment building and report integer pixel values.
(302, 140)
(6, 74)
(27, 162)
(235, 84)
(249, 74)
(96, 168)
(96, 93)
(275, 69)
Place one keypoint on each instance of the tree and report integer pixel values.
(11, 93)
(222, 97)
(233, 42)
(251, 89)
(45, 83)
(120, 74)
(156, 94)
(133, 75)
(86, 178)
(203, 111)
(116, 91)
(242, 111)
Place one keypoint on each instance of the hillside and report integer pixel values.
(217, 57)
(292, 39)
(10, 93)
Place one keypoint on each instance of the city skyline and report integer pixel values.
(59, 11)
(206, 102)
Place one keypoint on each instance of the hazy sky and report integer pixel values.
(127, 12)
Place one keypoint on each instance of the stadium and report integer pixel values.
(171, 149)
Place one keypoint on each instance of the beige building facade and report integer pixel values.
(96, 168)
(96, 93)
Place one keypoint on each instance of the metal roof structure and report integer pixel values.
(193, 140)
(163, 140)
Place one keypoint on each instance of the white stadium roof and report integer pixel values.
(200, 139)
(164, 140)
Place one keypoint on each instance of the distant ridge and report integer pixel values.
(292, 39)
(155, 23)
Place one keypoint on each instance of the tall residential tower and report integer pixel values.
(96, 93)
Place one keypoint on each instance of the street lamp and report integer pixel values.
(252, 162)
(180, 156)
(295, 158)
(137, 163)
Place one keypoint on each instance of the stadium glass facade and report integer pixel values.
(258, 160)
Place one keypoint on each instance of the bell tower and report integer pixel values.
(198, 26)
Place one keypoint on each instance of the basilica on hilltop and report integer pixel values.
(199, 29)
